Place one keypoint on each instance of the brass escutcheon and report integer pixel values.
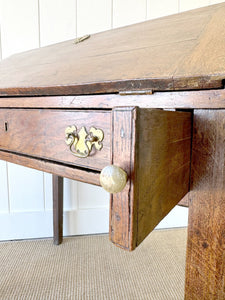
(82, 142)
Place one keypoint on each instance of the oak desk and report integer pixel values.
(141, 111)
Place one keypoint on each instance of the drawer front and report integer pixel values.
(41, 133)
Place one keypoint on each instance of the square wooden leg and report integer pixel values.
(57, 209)
(205, 265)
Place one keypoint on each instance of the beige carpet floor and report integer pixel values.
(90, 267)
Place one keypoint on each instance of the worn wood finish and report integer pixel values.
(205, 267)
(162, 54)
(185, 201)
(163, 57)
(146, 143)
(163, 168)
(153, 147)
(71, 172)
(57, 184)
(168, 100)
(123, 209)
(41, 133)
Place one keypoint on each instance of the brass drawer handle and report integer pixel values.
(113, 179)
(82, 142)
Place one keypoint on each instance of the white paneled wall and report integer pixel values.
(19, 26)
(57, 21)
(93, 16)
(190, 4)
(126, 12)
(156, 9)
(26, 191)
(4, 200)
(25, 194)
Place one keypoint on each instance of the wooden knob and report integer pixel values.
(113, 179)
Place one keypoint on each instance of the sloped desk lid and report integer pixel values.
(178, 52)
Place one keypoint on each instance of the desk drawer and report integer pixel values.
(41, 133)
(147, 154)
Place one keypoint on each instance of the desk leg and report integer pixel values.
(57, 209)
(205, 265)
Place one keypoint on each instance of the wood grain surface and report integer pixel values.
(41, 134)
(153, 147)
(163, 169)
(205, 266)
(181, 51)
(57, 187)
(68, 171)
(179, 99)
(184, 201)
(123, 205)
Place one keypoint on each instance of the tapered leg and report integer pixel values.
(205, 265)
(57, 209)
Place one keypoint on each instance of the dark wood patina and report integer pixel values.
(124, 81)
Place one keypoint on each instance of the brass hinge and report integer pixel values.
(129, 93)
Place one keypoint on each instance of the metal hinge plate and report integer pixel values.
(129, 93)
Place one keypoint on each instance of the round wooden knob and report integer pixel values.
(113, 179)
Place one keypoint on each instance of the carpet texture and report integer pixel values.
(91, 268)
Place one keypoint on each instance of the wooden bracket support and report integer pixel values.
(153, 147)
